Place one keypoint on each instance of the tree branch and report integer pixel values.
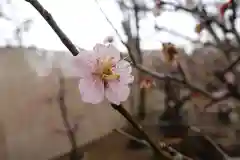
(152, 73)
(177, 34)
(139, 128)
(163, 145)
(117, 33)
(64, 113)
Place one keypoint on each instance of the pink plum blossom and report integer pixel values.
(102, 74)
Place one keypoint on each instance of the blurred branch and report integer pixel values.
(2, 13)
(182, 72)
(66, 41)
(74, 50)
(183, 100)
(171, 78)
(137, 44)
(233, 18)
(232, 65)
(142, 97)
(203, 15)
(23, 27)
(177, 34)
(118, 34)
(118, 108)
(215, 101)
(140, 130)
(64, 115)
(232, 88)
(153, 73)
(163, 145)
(131, 137)
(209, 139)
(142, 8)
(202, 134)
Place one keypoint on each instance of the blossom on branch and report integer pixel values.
(147, 82)
(103, 74)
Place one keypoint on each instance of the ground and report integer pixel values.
(114, 145)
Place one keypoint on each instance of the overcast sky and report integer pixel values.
(85, 25)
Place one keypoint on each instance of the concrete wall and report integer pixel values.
(30, 122)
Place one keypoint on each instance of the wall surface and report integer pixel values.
(31, 127)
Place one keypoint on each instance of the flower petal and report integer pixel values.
(84, 63)
(91, 90)
(124, 69)
(107, 50)
(117, 92)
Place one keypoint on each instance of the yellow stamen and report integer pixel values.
(199, 28)
(110, 77)
(106, 73)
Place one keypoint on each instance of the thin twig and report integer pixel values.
(120, 108)
(182, 72)
(137, 44)
(175, 33)
(131, 137)
(171, 78)
(152, 73)
(203, 15)
(232, 65)
(144, 135)
(233, 18)
(209, 139)
(139, 128)
(117, 33)
(161, 76)
(201, 133)
(216, 101)
(64, 114)
(163, 145)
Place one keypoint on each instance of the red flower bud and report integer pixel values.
(224, 7)
(147, 82)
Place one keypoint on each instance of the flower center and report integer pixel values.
(105, 71)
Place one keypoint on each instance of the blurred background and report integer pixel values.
(31, 56)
